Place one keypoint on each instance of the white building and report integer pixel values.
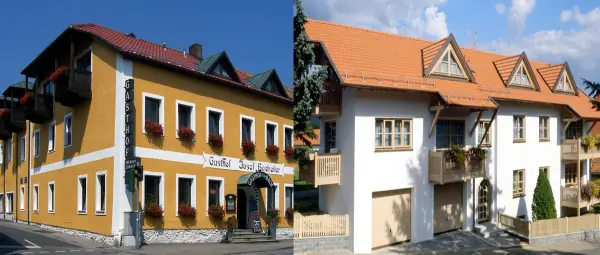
(396, 104)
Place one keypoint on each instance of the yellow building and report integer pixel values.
(76, 120)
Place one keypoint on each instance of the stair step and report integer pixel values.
(255, 241)
(249, 236)
(247, 233)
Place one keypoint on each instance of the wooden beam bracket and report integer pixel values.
(434, 122)
(487, 129)
(591, 127)
(476, 123)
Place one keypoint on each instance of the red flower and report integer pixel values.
(186, 210)
(4, 112)
(273, 213)
(248, 147)
(153, 210)
(216, 211)
(289, 213)
(154, 128)
(26, 98)
(58, 73)
(272, 149)
(215, 140)
(289, 152)
(186, 133)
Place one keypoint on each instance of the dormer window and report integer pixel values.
(448, 65)
(219, 70)
(564, 84)
(521, 77)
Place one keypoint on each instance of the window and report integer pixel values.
(518, 183)
(448, 64)
(35, 197)
(271, 135)
(571, 173)
(51, 197)
(288, 136)
(2, 203)
(101, 192)
(289, 196)
(22, 198)
(214, 191)
(393, 133)
(521, 77)
(544, 170)
(564, 84)
(518, 128)
(68, 130)
(220, 70)
(9, 150)
(22, 148)
(82, 194)
(574, 130)
(153, 110)
(483, 125)
(247, 128)
(186, 115)
(544, 129)
(214, 122)
(36, 143)
(153, 188)
(49, 88)
(9, 202)
(84, 61)
(449, 133)
(186, 190)
(270, 86)
(1, 153)
(273, 197)
(51, 136)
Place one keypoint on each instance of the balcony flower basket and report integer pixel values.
(4, 112)
(185, 210)
(456, 154)
(272, 149)
(215, 140)
(155, 129)
(476, 154)
(248, 147)
(289, 214)
(588, 142)
(289, 152)
(60, 75)
(273, 214)
(26, 98)
(153, 210)
(187, 134)
(216, 212)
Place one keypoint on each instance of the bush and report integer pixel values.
(543, 206)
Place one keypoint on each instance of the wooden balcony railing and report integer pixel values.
(331, 101)
(569, 198)
(323, 169)
(549, 227)
(78, 89)
(442, 170)
(40, 108)
(5, 134)
(14, 121)
(321, 225)
(572, 149)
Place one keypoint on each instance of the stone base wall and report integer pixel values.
(321, 244)
(285, 233)
(198, 235)
(579, 236)
(79, 233)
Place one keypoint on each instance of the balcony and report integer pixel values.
(39, 109)
(14, 120)
(323, 169)
(4, 133)
(572, 149)
(442, 170)
(331, 101)
(569, 198)
(75, 88)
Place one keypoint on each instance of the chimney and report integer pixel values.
(196, 50)
(131, 35)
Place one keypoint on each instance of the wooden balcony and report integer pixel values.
(571, 149)
(5, 134)
(331, 101)
(39, 109)
(323, 169)
(442, 170)
(77, 88)
(14, 121)
(569, 198)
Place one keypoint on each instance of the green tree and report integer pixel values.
(308, 85)
(543, 206)
(594, 88)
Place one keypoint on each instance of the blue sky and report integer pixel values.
(257, 35)
(550, 31)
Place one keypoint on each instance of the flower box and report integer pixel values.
(28, 96)
(153, 128)
(289, 152)
(272, 149)
(216, 212)
(4, 112)
(60, 75)
(185, 210)
(185, 133)
(153, 210)
(248, 147)
(215, 140)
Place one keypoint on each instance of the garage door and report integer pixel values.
(391, 217)
(448, 213)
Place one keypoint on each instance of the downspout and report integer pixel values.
(28, 138)
(16, 195)
(4, 162)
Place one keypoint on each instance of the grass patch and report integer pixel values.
(306, 204)
(595, 177)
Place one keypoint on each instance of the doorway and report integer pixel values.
(483, 196)
(330, 135)
(242, 209)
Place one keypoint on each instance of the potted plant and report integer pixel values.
(215, 140)
(231, 225)
(26, 98)
(248, 147)
(587, 191)
(216, 212)
(273, 214)
(456, 154)
(289, 214)
(289, 152)
(185, 210)
(4, 112)
(155, 129)
(185, 133)
(272, 149)
(153, 210)
(588, 142)
(60, 75)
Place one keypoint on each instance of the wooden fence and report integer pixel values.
(320, 225)
(540, 228)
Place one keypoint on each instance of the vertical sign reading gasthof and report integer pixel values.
(129, 121)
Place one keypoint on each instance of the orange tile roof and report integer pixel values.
(365, 58)
(550, 74)
(313, 142)
(505, 66)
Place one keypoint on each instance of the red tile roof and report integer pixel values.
(152, 51)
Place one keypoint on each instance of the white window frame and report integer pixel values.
(9, 148)
(161, 110)
(98, 194)
(221, 190)
(2, 202)
(449, 51)
(22, 198)
(221, 122)
(192, 117)
(252, 128)
(526, 73)
(22, 149)
(161, 188)
(36, 146)
(285, 186)
(80, 194)
(12, 210)
(36, 198)
(52, 144)
(193, 190)
(275, 136)
(52, 197)
(564, 79)
(1, 154)
(285, 127)
(276, 205)
(68, 115)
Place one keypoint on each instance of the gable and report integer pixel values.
(220, 65)
(448, 61)
(268, 81)
(565, 82)
(516, 71)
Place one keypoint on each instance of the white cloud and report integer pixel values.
(409, 17)
(500, 8)
(517, 14)
(566, 15)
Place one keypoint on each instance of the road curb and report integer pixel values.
(495, 245)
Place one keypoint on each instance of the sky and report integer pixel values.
(549, 31)
(257, 35)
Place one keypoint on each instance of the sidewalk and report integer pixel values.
(211, 248)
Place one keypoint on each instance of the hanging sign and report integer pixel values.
(222, 162)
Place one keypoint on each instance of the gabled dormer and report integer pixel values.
(220, 65)
(559, 78)
(516, 71)
(445, 59)
(268, 81)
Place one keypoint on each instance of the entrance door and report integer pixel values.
(241, 209)
(330, 134)
(483, 202)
